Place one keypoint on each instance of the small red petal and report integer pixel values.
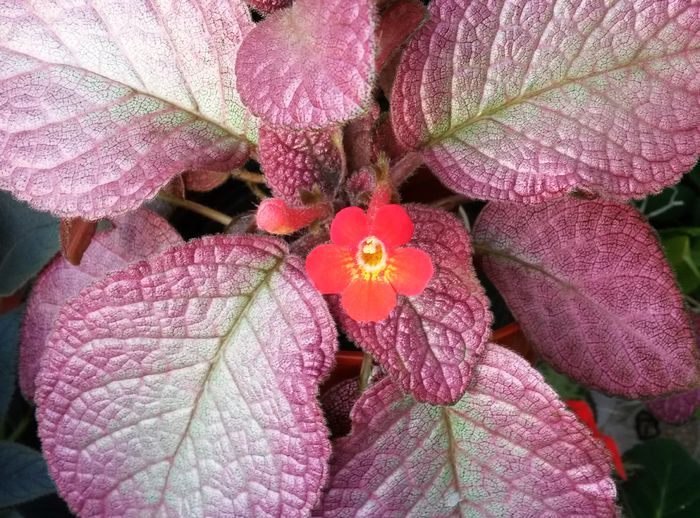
(611, 445)
(330, 268)
(349, 227)
(368, 301)
(392, 226)
(584, 413)
(410, 270)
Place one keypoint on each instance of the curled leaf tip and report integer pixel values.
(367, 264)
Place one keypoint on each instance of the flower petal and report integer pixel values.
(392, 225)
(410, 270)
(349, 227)
(330, 268)
(368, 301)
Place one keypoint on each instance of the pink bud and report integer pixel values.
(276, 217)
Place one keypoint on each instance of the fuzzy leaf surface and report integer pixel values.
(523, 100)
(681, 407)
(23, 474)
(104, 102)
(509, 447)
(28, 239)
(136, 236)
(296, 161)
(309, 66)
(185, 386)
(592, 291)
(430, 342)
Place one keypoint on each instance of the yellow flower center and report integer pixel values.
(371, 256)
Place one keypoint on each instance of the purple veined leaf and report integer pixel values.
(681, 407)
(185, 386)
(397, 23)
(523, 100)
(592, 291)
(296, 161)
(359, 140)
(337, 402)
(430, 343)
(203, 181)
(509, 447)
(309, 66)
(267, 6)
(104, 102)
(136, 236)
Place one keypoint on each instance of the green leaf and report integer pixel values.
(663, 481)
(9, 337)
(23, 475)
(564, 386)
(28, 239)
(679, 254)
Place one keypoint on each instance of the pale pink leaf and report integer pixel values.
(104, 102)
(509, 447)
(681, 407)
(592, 291)
(430, 343)
(526, 99)
(296, 161)
(136, 236)
(309, 66)
(185, 386)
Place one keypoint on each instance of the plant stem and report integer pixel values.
(198, 208)
(365, 371)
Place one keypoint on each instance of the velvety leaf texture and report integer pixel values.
(9, 338)
(185, 386)
(592, 291)
(309, 66)
(103, 102)
(23, 474)
(28, 239)
(430, 342)
(295, 161)
(678, 409)
(507, 448)
(136, 236)
(521, 100)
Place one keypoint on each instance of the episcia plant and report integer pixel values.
(181, 379)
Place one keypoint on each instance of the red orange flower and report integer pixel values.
(366, 263)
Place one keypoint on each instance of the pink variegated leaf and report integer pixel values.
(593, 292)
(136, 236)
(509, 447)
(104, 102)
(185, 386)
(430, 343)
(309, 66)
(681, 407)
(296, 161)
(267, 6)
(523, 100)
